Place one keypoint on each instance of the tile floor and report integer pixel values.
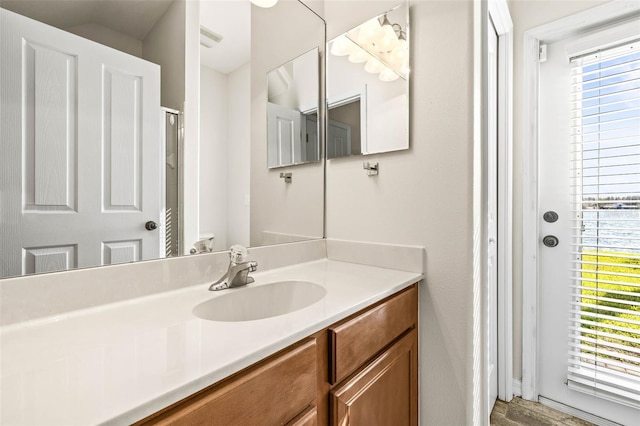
(521, 412)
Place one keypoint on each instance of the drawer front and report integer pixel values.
(272, 394)
(358, 339)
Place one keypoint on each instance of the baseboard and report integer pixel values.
(576, 413)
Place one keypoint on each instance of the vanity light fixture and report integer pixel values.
(264, 3)
(380, 44)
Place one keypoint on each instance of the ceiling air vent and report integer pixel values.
(208, 38)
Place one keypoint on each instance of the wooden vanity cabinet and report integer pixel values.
(280, 390)
(362, 370)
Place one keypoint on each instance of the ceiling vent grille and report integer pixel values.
(208, 38)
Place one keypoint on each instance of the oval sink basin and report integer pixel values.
(263, 301)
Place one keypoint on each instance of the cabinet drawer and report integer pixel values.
(358, 339)
(273, 393)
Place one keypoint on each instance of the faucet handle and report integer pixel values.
(238, 253)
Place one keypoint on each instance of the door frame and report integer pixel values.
(498, 11)
(532, 40)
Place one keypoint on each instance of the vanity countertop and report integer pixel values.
(119, 363)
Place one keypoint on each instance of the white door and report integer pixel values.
(78, 118)
(283, 135)
(338, 139)
(558, 188)
(491, 219)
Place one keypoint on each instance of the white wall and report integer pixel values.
(108, 37)
(526, 14)
(423, 196)
(239, 109)
(213, 156)
(224, 156)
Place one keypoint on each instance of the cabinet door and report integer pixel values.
(308, 418)
(384, 393)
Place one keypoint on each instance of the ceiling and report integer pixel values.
(229, 18)
(134, 18)
(232, 20)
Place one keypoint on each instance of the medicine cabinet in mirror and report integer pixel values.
(136, 130)
(368, 87)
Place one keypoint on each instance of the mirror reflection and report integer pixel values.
(368, 87)
(101, 165)
(292, 112)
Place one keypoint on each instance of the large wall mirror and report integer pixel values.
(368, 86)
(101, 160)
(292, 111)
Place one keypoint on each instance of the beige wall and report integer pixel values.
(165, 45)
(108, 37)
(296, 208)
(526, 14)
(423, 196)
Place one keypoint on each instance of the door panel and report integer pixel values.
(50, 143)
(75, 126)
(49, 259)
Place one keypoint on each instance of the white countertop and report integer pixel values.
(119, 363)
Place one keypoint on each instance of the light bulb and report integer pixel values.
(388, 75)
(370, 32)
(389, 41)
(358, 56)
(342, 46)
(264, 3)
(398, 56)
(374, 66)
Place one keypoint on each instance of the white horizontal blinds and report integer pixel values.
(604, 330)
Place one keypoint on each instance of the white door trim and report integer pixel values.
(547, 33)
(499, 14)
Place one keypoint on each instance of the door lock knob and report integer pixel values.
(550, 241)
(150, 226)
(550, 216)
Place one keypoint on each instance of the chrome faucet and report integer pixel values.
(237, 274)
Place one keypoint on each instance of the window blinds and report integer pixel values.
(604, 328)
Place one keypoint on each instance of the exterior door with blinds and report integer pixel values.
(589, 283)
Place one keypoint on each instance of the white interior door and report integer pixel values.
(284, 131)
(338, 139)
(77, 120)
(556, 185)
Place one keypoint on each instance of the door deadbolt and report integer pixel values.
(550, 241)
(550, 216)
(150, 226)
